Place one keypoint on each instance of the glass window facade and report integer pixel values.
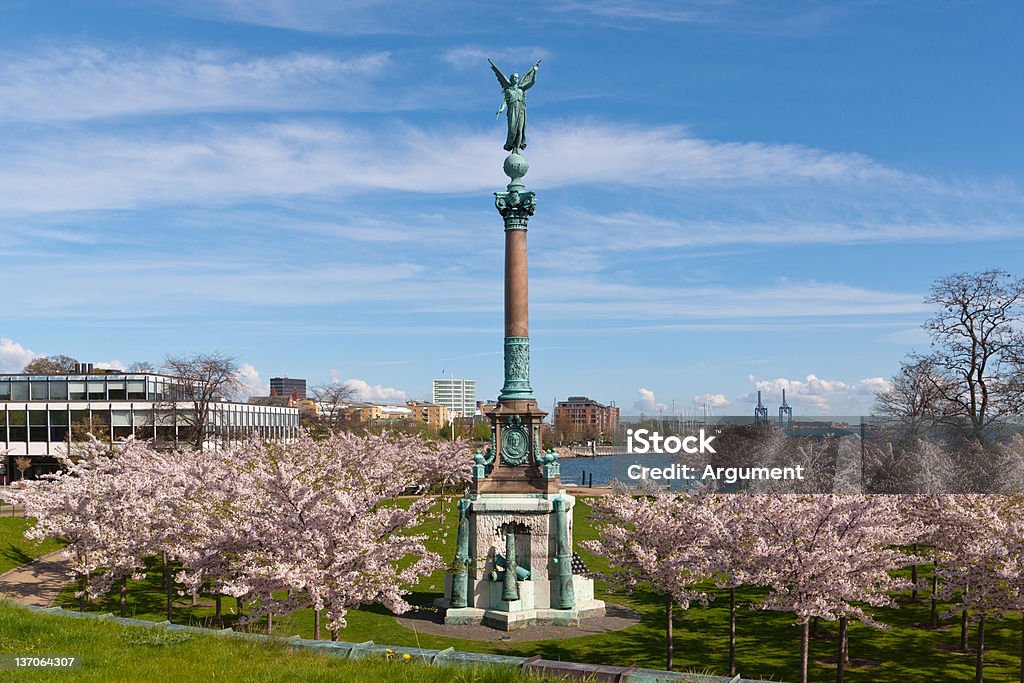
(58, 390)
(40, 414)
(38, 390)
(19, 390)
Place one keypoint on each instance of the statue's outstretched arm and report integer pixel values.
(501, 108)
(530, 77)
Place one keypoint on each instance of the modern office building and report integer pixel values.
(42, 415)
(586, 414)
(285, 386)
(457, 395)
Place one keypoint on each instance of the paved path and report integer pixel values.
(38, 582)
(428, 621)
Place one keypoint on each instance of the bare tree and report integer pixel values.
(976, 365)
(913, 399)
(50, 365)
(205, 378)
(331, 400)
(141, 366)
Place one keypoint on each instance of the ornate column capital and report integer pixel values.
(515, 206)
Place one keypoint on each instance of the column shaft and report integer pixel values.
(517, 316)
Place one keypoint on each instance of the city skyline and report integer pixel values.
(738, 197)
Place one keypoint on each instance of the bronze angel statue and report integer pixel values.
(514, 90)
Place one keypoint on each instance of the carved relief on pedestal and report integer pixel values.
(515, 441)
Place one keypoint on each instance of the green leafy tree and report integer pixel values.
(50, 365)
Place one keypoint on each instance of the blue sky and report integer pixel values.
(732, 195)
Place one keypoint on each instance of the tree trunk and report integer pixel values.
(933, 621)
(316, 629)
(913, 577)
(168, 586)
(732, 631)
(846, 645)
(979, 661)
(270, 623)
(963, 630)
(668, 632)
(124, 596)
(218, 616)
(814, 628)
(844, 626)
(81, 587)
(334, 634)
(805, 637)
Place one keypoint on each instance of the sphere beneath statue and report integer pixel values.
(516, 166)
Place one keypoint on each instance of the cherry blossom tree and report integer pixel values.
(659, 541)
(828, 555)
(318, 519)
(111, 505)
(982, 569)
(1013, 567)
(735, 549)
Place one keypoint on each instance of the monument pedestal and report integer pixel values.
(535, 520)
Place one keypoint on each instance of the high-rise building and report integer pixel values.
(285, 386)
(457, 395)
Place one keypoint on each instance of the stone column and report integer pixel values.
(517, 310)
(516, 205)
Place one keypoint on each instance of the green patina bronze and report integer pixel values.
(517, 370)
(516, 204)
(510, 586)
(515, 441)
(516, 207)
(460, 577)
(513, 91)
(550, 460)
(563, 557)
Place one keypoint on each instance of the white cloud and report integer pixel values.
(648, 403)
(508, 59)
(635, 231)
(641, 10)
(364, 391)
(352, 17)
(88, 82)
(112, 364)
(219, 164)
(816, 396)
(711, 400)
(14, 356)
(251, 382)
(595, 297)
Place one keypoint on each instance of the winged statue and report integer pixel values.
(514, 103)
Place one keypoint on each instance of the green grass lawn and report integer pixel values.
(15, 549)
(768, 643)
(113, 652)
